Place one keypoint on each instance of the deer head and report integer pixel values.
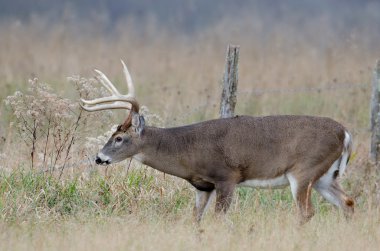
(125, 142)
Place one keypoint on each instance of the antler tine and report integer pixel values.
(116, 100)
(124, 98)
(128, 78)
(117, 105)
(100, 80)
(116, 96)
(107, 83)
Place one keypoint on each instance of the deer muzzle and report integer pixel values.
(102, 159)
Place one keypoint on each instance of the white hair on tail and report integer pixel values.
(347, 144)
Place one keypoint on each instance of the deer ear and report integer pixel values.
(138, 123)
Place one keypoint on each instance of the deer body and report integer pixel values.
(241, 148)
(218, 155)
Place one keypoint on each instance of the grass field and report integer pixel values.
(128, 206)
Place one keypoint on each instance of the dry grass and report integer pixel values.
(177, 77)
(143, 210)
(240, 230)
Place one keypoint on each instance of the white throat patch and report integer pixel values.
(139, 157)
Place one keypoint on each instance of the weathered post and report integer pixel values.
(375, 113)
(230, 81)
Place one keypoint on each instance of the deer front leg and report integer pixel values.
(224, 193)
(202, 200)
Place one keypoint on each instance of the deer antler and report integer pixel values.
(116, 100)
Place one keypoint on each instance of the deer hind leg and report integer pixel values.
(301, 191)
(330, 189)
(202, 200)
(224, 193)
(334, 194)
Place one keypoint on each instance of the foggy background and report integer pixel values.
(175, 50)
(194, 15)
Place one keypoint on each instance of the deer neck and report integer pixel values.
(158, 150)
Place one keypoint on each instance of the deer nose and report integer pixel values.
(98, 160)
(102, 159)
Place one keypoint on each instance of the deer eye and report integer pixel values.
(118, 139)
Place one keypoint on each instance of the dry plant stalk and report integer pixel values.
(53, 129)
(47, 124)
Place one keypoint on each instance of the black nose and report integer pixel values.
(98, 160)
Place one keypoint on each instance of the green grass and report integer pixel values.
(26, 195)
(141, 208)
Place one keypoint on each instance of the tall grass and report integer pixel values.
(144, 210)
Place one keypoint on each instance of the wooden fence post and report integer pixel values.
(375, 113)
(230, 81)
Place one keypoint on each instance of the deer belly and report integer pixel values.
(277, 182)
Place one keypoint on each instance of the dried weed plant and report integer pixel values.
(46, 124)
(55, 131)
(49, 125)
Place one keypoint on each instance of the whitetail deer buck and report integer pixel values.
(218, 155)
